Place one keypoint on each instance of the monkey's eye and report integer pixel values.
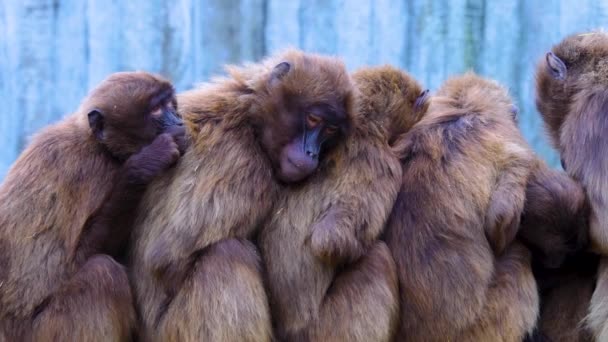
(313, 121)
(157, 111)
(329, 130)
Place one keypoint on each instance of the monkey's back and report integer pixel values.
(436, 229)
(57, 182)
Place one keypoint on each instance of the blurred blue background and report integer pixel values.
(53, 51)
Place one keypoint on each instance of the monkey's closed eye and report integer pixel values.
(331, 130)
(313, 120)
(157, 111)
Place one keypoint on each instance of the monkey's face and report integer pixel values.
(299, 127)
(129, 110)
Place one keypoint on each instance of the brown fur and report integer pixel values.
(329, 278)
(451, 231)
(554, 226)
(574, 109)
(57, 209)
(194, 276)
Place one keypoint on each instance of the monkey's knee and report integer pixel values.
(223, 300)
(512, 303)
(94, 305)
(234, 252)
(363, 302)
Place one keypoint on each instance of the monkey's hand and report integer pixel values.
(179, 136)
(502, 222)
(153, 159)
(334, 243)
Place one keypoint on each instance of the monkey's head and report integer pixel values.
(389, 99)
(304, 105)
(573, 75)
(474, 94)
(129, 109)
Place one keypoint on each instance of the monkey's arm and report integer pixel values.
(507, 200)
(554, 221)
(585, 158)
(108, 229)
(357, 216)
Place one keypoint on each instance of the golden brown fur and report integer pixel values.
(572, 96)
(195, 274)
(554, 226)
(57, 205)
(329, 278)
(451, 232)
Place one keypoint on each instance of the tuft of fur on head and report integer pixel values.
(317, 78)
(585, 56)
(387, 99)
(471, 93)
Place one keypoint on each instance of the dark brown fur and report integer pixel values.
(554, 227)
(451, 232)
(64, 201)
(329, 278)
(554, 222)
(572, 96)
(195, 274)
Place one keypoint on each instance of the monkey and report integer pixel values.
(65, 210)
(572, 98)
(329, 278)
(462, 277)
(554, 226)
(264, 127)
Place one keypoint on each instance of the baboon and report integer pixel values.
(452, 229)
(572, 97)
(265, 127)
(554, 227)
(329, 278)
(64, 212)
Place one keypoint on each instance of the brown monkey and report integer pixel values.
(554, 227)
(68, 199)
(195, 274)
(572, 96)
(329, 278)
(451, 232)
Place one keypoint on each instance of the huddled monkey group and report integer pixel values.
(291, 200)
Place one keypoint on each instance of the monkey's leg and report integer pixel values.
(512, 302)
(564, 309)
(95, 305)
(223, 299)
(363, 302)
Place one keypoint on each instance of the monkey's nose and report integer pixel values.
(312, 154)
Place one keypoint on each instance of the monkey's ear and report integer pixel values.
(279, 71)
(421, 100)
(514, 112)
(96, 123)
(556, 66)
